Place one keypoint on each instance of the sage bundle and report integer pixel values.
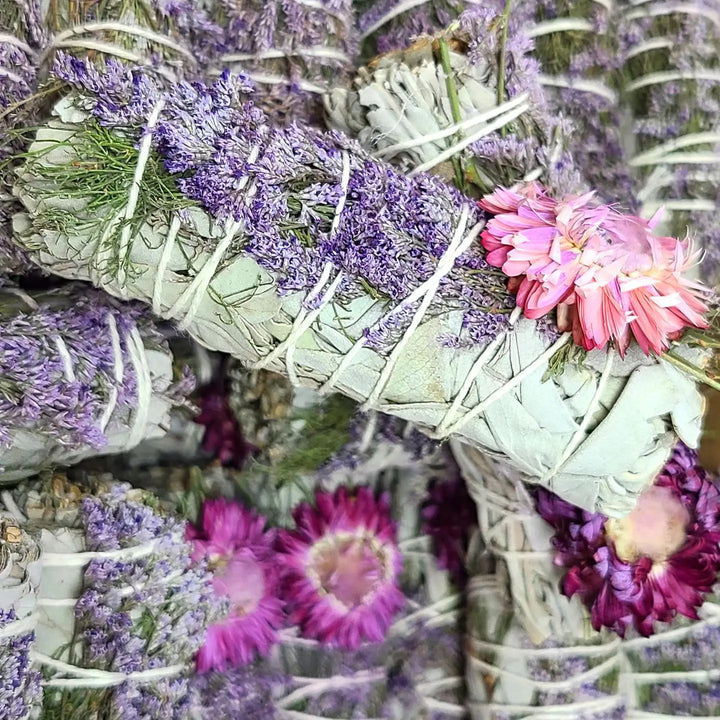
(81, 375)
(20, 691)
(329, 266)
(122, 608)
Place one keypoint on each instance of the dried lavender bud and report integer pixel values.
(293, 51)
(81, 375)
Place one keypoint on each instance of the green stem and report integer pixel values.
(505, 19)
(454, 99)
(690, 369)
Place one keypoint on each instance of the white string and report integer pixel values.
(660, 152)
(94, 678)
(267, 79)
(674, 7)
(318, 51)
(561, 24)
(657, 78)
(102, 47)
(64, 354)
(454, 128)
(79, 559)
(369, 431)
(456, 247)
(549, 652)
(437, 609)
(19, 627)
(118, 371)
(688, 204)
(701, 676)
(680, 632)
(501, 121)
(136, 30)
(12, 40)
(573, 711)
(336, 682)
(134, 192)
(595, 87)
(143, 379)
(659, 43)
(509, 385)
(12, 506)
(593, 673)
(399, 9)
(168, 246)
(10, 75)
(479, 364)
(579, 434)
(304, 317)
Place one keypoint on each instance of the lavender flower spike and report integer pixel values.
(81, 374)
(296, 251)
(20, 691)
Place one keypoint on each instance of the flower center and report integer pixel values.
(654, 529)
(348, 567)
(241, 579)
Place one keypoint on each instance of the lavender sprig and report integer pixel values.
(80, 375)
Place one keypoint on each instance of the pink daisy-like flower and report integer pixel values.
(342, 565)
(241, 554)
(651, 565)
(609, 276)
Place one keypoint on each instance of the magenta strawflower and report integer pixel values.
(241, 553)
(606, 272)
(342, 565)
(651, 565)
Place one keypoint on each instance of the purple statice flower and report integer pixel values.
(20, 688)
(293, 51)
(59, 366)
(145, 612)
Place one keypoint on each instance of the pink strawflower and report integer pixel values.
(657, 562)
(609, 275)
(342, 565)
(241, 554)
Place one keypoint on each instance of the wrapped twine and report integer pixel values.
(81, 375)
(20, 692)
(422, 349)
(530, 651)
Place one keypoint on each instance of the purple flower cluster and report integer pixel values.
(57, 372)
(289, 47)
(145, 613)
(284, 184)
(20, 689)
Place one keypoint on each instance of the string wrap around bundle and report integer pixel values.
(595, 433)
(530, 652)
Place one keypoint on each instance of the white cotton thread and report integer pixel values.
(80, 559)
(454, 128)
(509, 385)
(19, 627)
(67, 361)
(594, 673)
(12, 40)
(103, 47)
(336, 682)
(561, 24)
(368, 431)
(94, 678)
(579, 434)
(447, 605)
(10, 75)
(670, 8)
(678, 633)
(477, 367)
(666, 76)
(136, 30)
(491, 127)
(315, 51)
(168, 247)
(12, 507)
(552, 712)
(549, 652)
(457, 246)
(305, 318)
(118, 371)
(595, 87)
(659, 43)
(268, 79)
(659, 153)
(134, 193)
(136, 350)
